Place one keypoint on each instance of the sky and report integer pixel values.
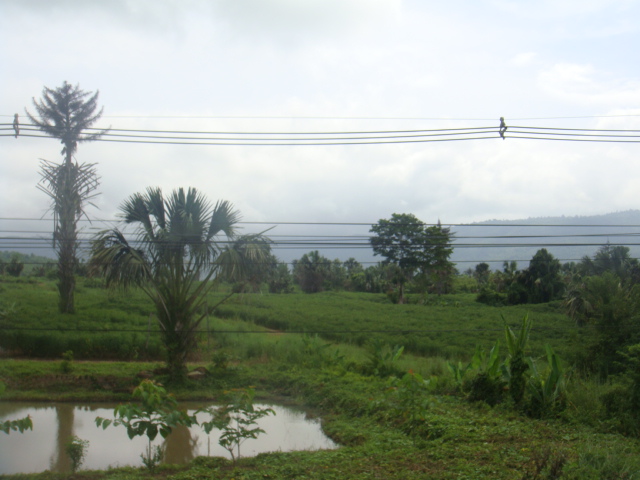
(334, 66)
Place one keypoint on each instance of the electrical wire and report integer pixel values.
(366, 137)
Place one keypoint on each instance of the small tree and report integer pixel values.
(157, 413)
(66, 113)
(15, 266)
(437, 252)
(407, 242)
(311, 271)
(176, 260)
(482, 273)
(237, 419)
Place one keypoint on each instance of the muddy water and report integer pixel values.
(54, 423)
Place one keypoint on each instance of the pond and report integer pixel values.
(43, 448)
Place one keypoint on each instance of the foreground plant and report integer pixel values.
(237, 419)
(157, 413)
(409, 400)
(517, 364)
(176, 259)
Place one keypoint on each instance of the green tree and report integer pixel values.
(66, 113)
(405, 241)
(311, 271)
(611, 308)
(177, 258)
(279, 277)
(437, 266)
(541, 282)
(616, 260)
(15, 266)
(401, 240)
(482, 273)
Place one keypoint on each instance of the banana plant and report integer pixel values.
(516, 365)
(548, 388)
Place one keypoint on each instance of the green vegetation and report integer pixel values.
(420, 253)
(236, 417)
(177, 258)
(415, 390)
(157, 412)
(66, 113)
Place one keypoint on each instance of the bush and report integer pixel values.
(485, 388)
(14, 267)
(491, 297)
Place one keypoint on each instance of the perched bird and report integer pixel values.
(503, 127)
(16, 125)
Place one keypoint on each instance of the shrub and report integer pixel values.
(491, 297)
(485, 388)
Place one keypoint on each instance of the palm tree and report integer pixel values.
(176, 258)
(65, 113)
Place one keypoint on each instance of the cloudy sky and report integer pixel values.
(336, 66)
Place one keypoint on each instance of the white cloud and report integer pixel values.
(583, 84)
(524, 59)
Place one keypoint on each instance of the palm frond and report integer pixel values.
(117, 262)
(223, 220)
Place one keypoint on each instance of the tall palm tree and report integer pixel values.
(182, 246)
(66, 113)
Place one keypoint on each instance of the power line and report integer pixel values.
(364, 137)
(327, 117)
(368, 224)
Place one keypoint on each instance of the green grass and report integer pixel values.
(448, 326)
(254, 334)
(473, 441)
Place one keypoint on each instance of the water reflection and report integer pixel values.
(53, 424)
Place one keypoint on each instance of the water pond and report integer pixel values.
(43, 448)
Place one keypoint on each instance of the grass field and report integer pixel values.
(255, 340)
(119, 325)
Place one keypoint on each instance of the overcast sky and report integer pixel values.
(395, 65)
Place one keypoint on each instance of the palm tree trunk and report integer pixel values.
(67, 205)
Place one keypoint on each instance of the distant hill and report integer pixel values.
(567, 238)
(491, 241)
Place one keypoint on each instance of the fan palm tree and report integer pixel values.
(182, 246)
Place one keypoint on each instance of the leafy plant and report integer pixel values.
(67, 362)
(548, 392)
(382, 359)
(516, 366)
(410, 403)
(315, 352)
(76, 448)
(236, 418)
(157, 413)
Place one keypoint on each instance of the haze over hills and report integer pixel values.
(491, 241)
(567, 238)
